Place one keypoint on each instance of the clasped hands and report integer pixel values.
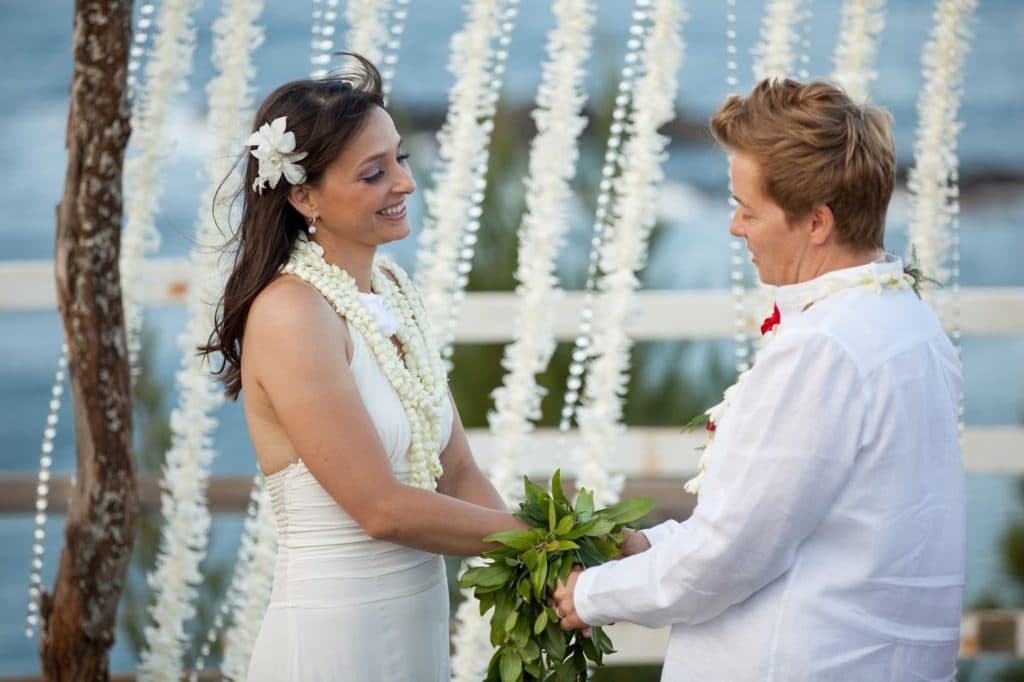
(562, 598)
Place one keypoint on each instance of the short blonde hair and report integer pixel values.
(816, 146)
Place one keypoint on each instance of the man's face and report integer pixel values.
(777, 247)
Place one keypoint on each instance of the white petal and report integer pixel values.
(286, 143)
(273, 177)
(278, 126)
(293, 173)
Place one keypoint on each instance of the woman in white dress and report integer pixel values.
(367, 463)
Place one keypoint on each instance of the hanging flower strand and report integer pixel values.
(367, 27)
(859, 29)
(186, 518)
(453, 205)
(775, 55)
(932, 181)
(169, 64)
(553, 155)
(624, 254)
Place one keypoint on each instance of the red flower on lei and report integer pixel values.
(771, 321)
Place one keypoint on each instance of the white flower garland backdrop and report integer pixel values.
(186, 518)
(624, 253)
(517, 402)
(448, 238)
(622, 225)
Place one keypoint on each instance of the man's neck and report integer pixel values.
(838, 258)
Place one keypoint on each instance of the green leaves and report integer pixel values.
(521, 574)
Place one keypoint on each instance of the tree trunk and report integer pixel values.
(78, 621)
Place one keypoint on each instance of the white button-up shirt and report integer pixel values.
(828, 541)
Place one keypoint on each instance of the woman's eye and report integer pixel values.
(403, 157)
(374, 177)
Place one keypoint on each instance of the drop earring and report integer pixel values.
(312, 225)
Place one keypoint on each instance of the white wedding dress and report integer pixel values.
(346, 607)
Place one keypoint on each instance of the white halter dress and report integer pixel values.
(346, 607)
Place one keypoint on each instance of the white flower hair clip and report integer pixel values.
(275, 149)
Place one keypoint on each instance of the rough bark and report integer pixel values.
(79, 619)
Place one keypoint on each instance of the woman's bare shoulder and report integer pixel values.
(290, 310)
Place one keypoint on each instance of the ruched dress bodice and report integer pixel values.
(345, 606)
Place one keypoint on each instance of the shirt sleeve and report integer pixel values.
(783, 451)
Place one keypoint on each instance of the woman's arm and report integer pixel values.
(295, 344)
(462, 477)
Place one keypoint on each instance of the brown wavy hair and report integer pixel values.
(324, 114)
(814, 145)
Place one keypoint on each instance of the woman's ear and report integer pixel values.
(823, 223)
(301, 201)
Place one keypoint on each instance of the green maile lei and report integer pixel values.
(518, 577)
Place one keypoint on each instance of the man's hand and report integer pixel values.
(565, 605)
(634, 543)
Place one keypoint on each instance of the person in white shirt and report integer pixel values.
(829, 536)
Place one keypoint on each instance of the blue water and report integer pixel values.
(34, 40)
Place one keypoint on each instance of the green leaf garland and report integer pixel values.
(519, 576)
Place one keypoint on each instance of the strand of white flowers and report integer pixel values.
(167, 67)
(35, 585)
(253, 586)
(806, 29)
(235, 598)
(610, 167)
(186, 524)
(367, 27)
(322, 42)
(389, 57)
(138, 49)
(623, 255)
(775, 54)
(860, 26)
(553, 156)
(453, 210)
(420, 381)
(737, 250)
(932, 182)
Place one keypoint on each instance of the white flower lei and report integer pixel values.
(870, 281)
(775, 55)
(420, 382)
(859, 28)
(458, 181)
(553, 155)
(932, 181)
(623, 255)
(250, 586)
(367, 27)
(168, 65)
(187, 469)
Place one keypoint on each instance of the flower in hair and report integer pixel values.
(275, 149)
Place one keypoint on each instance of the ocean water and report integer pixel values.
(34, 40)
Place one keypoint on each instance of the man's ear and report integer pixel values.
(823, 224)
(301, 201)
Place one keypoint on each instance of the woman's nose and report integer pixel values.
(406, 184)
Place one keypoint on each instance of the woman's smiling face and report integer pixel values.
(361, 198)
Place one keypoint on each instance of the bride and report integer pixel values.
(365, 457)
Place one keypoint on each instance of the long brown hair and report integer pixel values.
(324, 115)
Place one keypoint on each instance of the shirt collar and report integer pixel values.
(794, 298)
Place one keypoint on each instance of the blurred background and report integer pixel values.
(671, 382)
